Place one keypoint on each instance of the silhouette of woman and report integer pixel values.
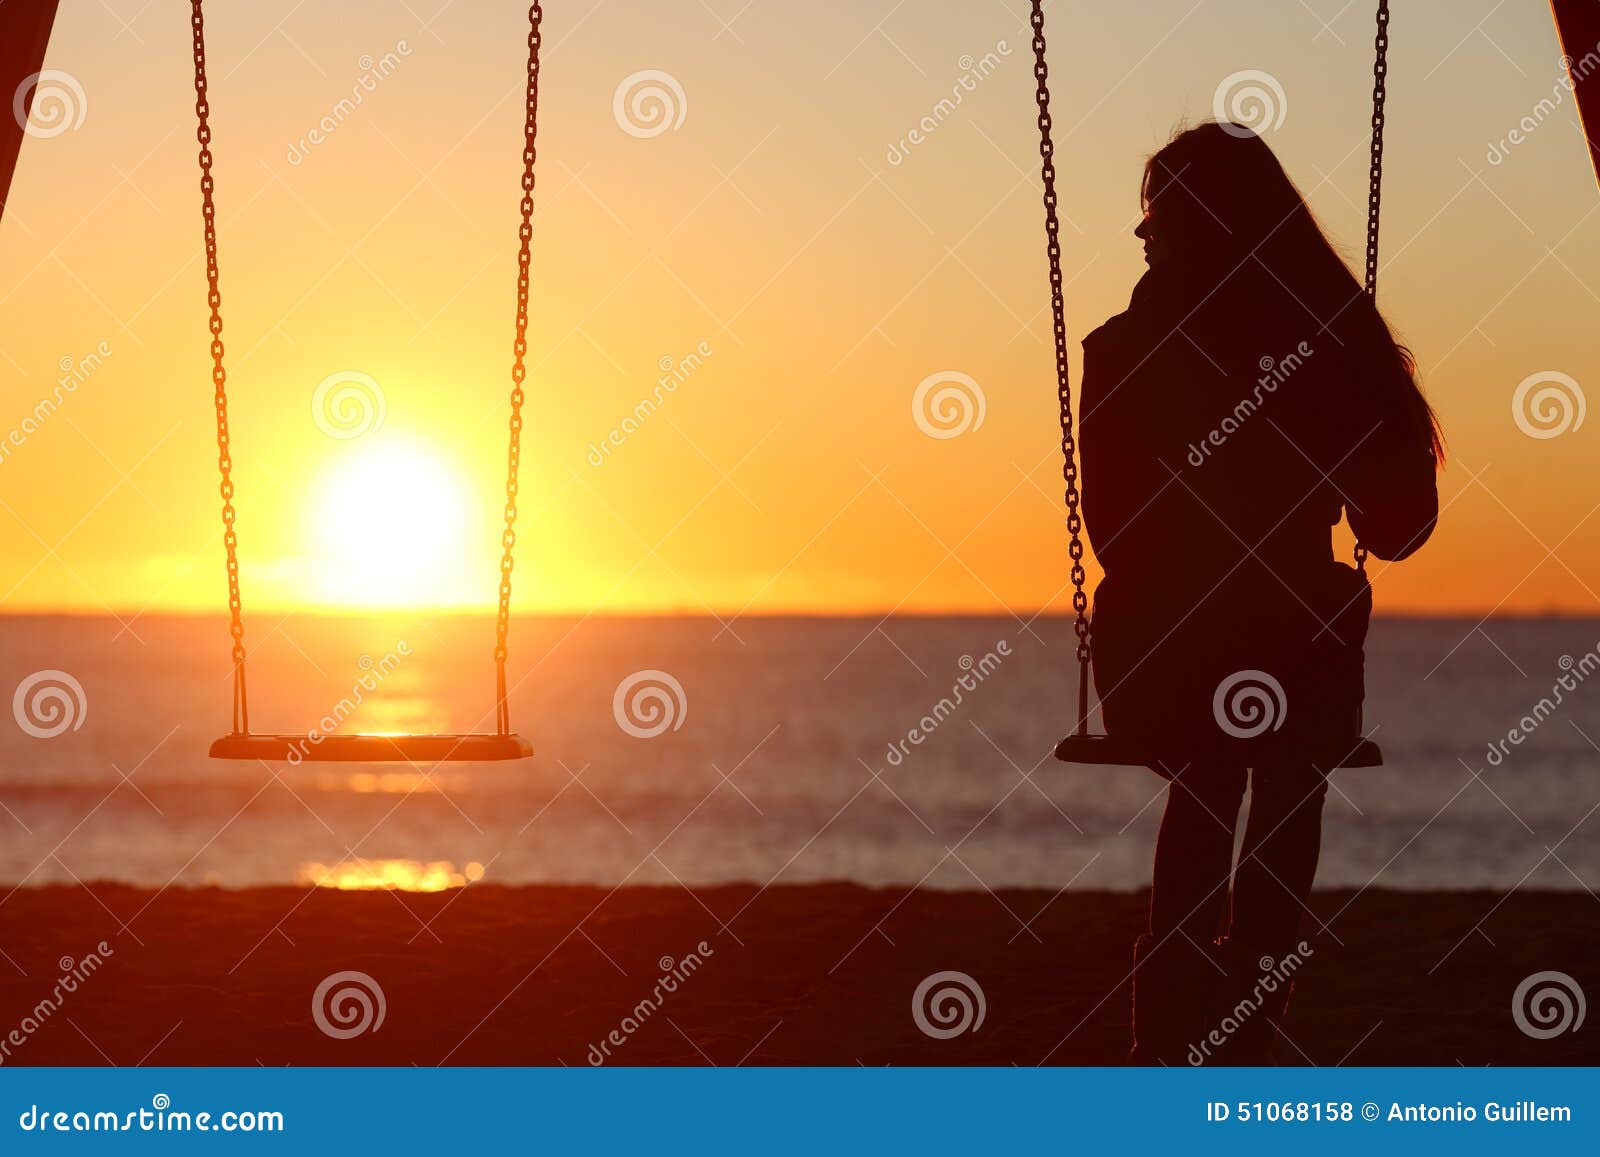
(1249, 395)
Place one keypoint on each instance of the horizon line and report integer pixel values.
(1027, 613)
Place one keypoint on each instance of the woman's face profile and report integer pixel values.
(1146, 232)
(1177, 228)
(1157, 245)
(1155, 227)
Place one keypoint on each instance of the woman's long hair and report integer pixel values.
(1226, 204)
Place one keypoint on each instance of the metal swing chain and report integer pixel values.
(1380, 74)
(1069, 447)
(219, 375)
(508, 537)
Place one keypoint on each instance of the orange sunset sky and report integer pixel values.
(784, 234)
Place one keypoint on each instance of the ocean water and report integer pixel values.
(757, 750)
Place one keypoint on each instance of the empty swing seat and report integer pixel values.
(1130, 751)
(306, 747)
(372, 748)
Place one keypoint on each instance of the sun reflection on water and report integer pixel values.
(392, 713)
(400, 782)
(399, 875)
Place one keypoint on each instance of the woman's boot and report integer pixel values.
(1175, 988)
(1256, 999)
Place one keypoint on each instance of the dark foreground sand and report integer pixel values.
(795, 975)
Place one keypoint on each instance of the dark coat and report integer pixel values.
(1223, 433)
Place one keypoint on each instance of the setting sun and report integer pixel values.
(392, 522)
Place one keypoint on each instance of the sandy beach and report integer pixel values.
(819, 974)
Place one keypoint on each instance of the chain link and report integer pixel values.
(219, 375)
(1380, 74)
(1380, 92)
(508, 537)
(1052, 227)
(1069, 446)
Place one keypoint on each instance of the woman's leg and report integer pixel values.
(1277, 865)
(1194, 853)
(1176, 977)
(1278, 862)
